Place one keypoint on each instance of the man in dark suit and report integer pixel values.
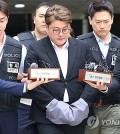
(68, 95)
(19, 88)
(25, 125)
(105, 48)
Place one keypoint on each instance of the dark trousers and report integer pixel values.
(60, 129)
(8, 122)
(25, 125)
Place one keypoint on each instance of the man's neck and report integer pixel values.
(105, 38)
(39, 35)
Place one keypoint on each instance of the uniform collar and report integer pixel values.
(100, 40)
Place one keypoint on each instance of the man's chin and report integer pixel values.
(102, 35)
(43, 32)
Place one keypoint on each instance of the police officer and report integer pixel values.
(39, 32)
(11, 52)
(105, 48)
(25, 125)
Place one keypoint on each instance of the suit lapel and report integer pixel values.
(71, 55)
(52, 55)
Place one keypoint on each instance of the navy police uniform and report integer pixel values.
(26, 38)
(9, 68)
(106, 105)
(114, 49)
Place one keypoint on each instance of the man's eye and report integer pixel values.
(106, 21)
(65, 29)
(56, 29)
(1, 20)
(41, 16)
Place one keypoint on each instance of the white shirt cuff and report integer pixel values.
(25, 88)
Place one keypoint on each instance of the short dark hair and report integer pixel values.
(4, 8)
(100, 5)
(44, 4)
(58, 12)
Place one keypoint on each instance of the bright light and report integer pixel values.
(19, 6)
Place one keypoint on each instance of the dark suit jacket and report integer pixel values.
(43, 53)
(114, 49)
(11, 87)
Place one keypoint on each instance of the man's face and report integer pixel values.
(58, 32)
(101, 23)
(39, 20)
(3, 23)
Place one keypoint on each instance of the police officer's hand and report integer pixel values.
(33, 84)
(21, 76)
(98, 85)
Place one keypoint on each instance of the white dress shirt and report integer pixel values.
(62, 55)
(104, 46)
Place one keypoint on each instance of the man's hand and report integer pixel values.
(38, 82)
(98, 85)
(33, 84)
(21, 76)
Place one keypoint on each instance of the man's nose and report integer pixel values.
(102, 26)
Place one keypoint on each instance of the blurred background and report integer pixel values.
(20, 19)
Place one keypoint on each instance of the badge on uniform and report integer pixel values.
(12, 67)
(113, 59)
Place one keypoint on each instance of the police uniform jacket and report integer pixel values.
(114, 49)
(26, 38)
(9, 68)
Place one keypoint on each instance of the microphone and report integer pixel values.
(34, 65)
(21, 76)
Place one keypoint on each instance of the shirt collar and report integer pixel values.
(4, 39)
(65, 45)
(100, 40)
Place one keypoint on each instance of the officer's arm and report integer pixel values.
(11, 87)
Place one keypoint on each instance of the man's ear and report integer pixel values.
(34, 19)
(89, 18)
(7, 19)
(112, 19)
